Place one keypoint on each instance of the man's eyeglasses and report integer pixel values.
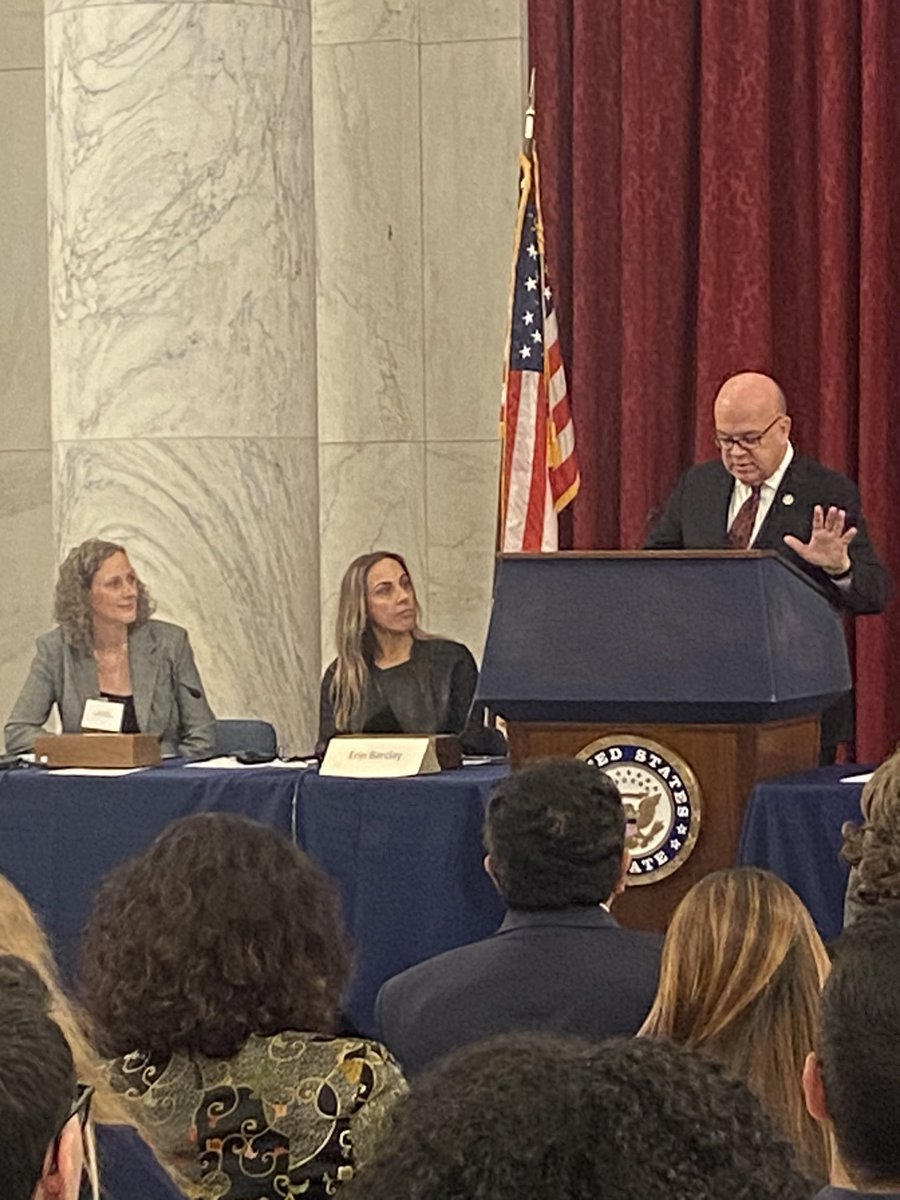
(747, 441)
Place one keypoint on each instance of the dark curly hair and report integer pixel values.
(221, 929)
(874, 847)
(555, 831)
(560, 1119)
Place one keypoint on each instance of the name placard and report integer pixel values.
(380, 756)
(103, 716)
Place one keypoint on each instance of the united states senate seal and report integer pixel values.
(662, 801)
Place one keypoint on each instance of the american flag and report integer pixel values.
(538, 468)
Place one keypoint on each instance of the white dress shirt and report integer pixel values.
(741, 493)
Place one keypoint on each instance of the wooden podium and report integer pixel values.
(715, 664)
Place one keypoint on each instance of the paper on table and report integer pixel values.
(98, 771)
(227, 763)
(857, 778)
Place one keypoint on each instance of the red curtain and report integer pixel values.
(721, 192)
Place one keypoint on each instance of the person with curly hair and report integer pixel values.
(551, 1118)
(213, 966)
(742, 971)
(873, 848)
(107, 646)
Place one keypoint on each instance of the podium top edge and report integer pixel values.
(638, 554)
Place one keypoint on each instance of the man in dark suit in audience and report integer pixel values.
(560, 962)
(852, 1078)
(760, 495)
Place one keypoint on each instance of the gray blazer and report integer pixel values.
(169, 699)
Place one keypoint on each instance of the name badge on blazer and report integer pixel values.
(105, 716)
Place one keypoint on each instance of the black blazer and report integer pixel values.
(447, 676)
(574, 971)
(696, 518)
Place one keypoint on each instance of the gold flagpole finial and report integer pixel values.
(529, 116)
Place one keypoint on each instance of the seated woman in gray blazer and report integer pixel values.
(106, 646)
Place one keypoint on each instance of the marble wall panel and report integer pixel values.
(180, 194)
(368, 217)
(224, 532)
(471, 20)
(21, 35)
(471, 133)
(345, 21)
(462, 514)
(56, 6)
(29, 565)
(24, 345)
(372, 497)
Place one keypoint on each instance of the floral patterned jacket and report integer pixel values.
(288, 1115)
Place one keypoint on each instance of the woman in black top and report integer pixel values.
(389, 676)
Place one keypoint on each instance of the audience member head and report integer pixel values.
(377, 600)
(21, 935)
(42, 1148)
(555, 836)
(874, 847)
(742, 968)
(558, 1119)
(97, 582)
(221, 929)
(752, 426)
(852, 1079)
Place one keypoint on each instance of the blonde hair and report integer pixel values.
(874, 847)
(72, 609)
(742, 969)
(355, 640)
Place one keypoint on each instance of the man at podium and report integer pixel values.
(761, 495)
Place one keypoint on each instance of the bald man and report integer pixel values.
(761, 495)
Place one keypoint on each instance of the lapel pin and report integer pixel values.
(787, 498)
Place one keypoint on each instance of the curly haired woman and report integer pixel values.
(105, 645)
(873, 848)
(213, 966)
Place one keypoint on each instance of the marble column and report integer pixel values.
(182, 325)
(418, 108)
(26, 533)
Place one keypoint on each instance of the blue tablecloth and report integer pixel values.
(60, 834)
(792, 826)
(408, 856)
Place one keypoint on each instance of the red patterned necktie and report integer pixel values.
(742, 526)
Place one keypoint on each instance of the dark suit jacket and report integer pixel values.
(575, 971)
(697, 513)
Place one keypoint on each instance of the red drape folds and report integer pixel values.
(721, 192)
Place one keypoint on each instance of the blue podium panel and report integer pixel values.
(660, 637)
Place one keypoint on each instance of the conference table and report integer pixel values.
(792, 826)
(406, 853)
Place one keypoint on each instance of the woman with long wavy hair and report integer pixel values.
(742, 969)
(389, 676)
